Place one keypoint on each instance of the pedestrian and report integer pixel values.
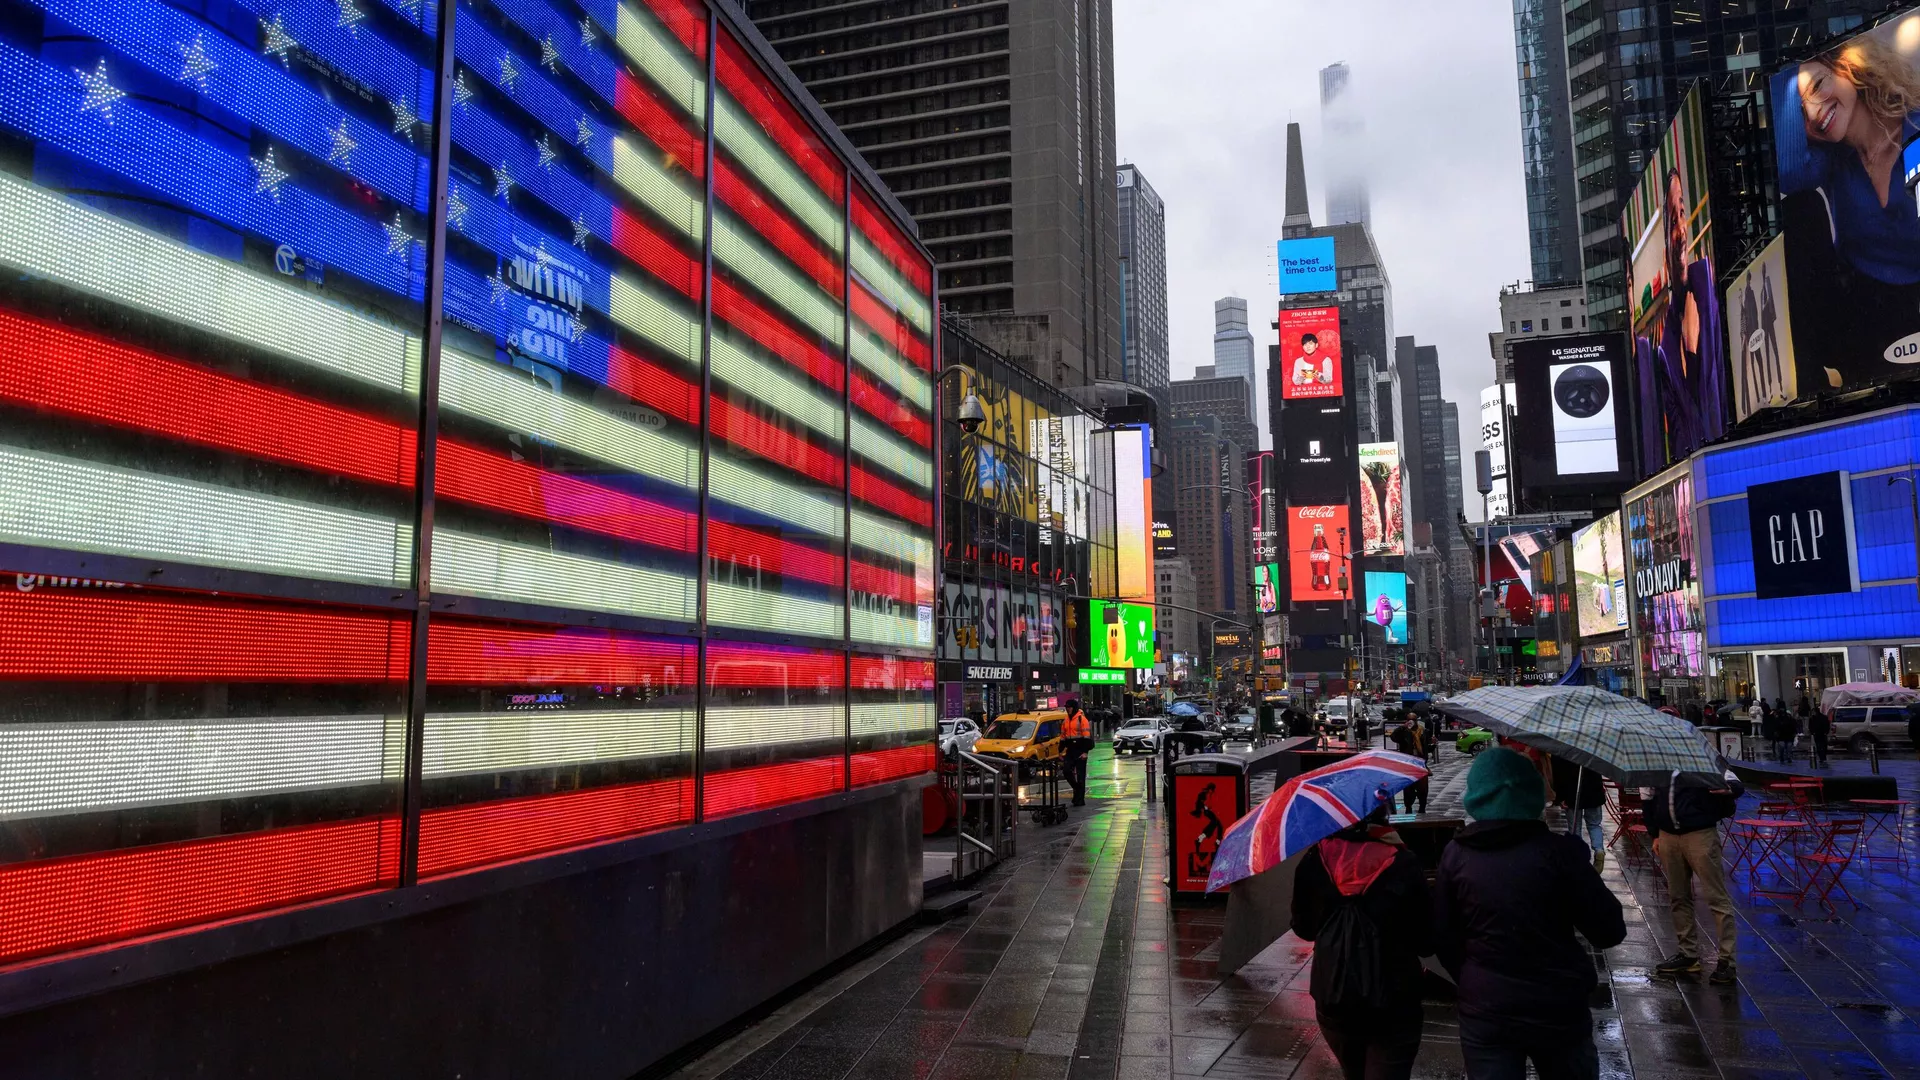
(1361, 897)
(1432, 741)
(1510, 897)
(1683, 818)
(1776, 730)
(1757, 718)
(1077, 732)
(1583, 792)
(1819, 726)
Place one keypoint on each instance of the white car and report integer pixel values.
(1858, 726)
(1141, 734)
(957, 734)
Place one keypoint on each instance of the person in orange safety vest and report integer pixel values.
(1078, 733)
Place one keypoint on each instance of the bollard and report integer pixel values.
(1150, 763)
(1873, 757)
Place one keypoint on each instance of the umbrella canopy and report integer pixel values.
(1614, 736)
(1309, 808)
(1866, 693)
(1184, 708)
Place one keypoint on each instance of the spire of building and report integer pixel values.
(1299, 214)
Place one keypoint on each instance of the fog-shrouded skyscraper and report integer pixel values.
(1143, 283)
(1546, 140)
(1343, 131)
(993, 124)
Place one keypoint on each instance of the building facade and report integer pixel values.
(1226, 399)
(1546, 143)
(1343, 131)
(1177, 620)
(992, 120)
(1212, 514)
(1233, 349)
(1144, 351)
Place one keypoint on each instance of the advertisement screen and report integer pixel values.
(1133, 509)
(1493, 438)
(1310, 353)
(1570, 420)
(1266, 587)
(1386, 604)
(1120, 635)
(1317, 550)
(1314, 460)
(1679, 337)
(1760, 333)
(1851, 241)
(1600, 577)
(1261, 477)
(1381, 522)
(1307, 266)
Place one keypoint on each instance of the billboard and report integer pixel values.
(1493, 438)
(1381, 522)
(1851, 241)
(1310, 353)
(1314, 465)
(1673, 298)
(1266, 587)
(1133, 510)
(1261, 478)
(1570, 421)
(1386, 604)
(1760, 333)
(1317, 553)
(1802, 536)
(1307, 266)
(1600, 577)
(1119, 635)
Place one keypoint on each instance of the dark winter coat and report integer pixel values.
(1509, 898)
(1397, 901)
(1690, 805)
(1569, 778)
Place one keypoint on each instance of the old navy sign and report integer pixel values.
(1802, 532)
(1669, 576)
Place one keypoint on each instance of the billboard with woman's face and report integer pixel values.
(1843, 122)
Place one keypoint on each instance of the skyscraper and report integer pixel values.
(993, 123)
(1211, 530)
(1423, 439)
(1233, 349)
(1224, 399)
(1343, 131)
(1546, 144)
(1143, 282)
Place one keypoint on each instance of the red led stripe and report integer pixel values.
(881, 232)
(155, 639)
(474, 476)
(740, 310)
(879, 582)
(753, 548)
(686, 19)
(682, 146)
(879, 766)
(739, 790)
(458, 838)
(769, 108)
(651, 384)
(890, 326)
(734, 663)
(891, 673)
(85, 900)
(742, 198)
(876, 492)
(77, 374)
(749, 432)
(483, 654)
(891, 411)
(638, 240)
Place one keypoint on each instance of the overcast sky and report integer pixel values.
(1205, 91)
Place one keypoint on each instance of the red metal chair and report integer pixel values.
(1839, 840)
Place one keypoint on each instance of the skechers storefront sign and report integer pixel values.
(1802, 536)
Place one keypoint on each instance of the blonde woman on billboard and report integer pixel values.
(1861, 104)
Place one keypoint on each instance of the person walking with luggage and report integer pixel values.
(1510, 897)
(1077, 731)
(1683, 818)
(1362, 899)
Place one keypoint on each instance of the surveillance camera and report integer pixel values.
(971, 414)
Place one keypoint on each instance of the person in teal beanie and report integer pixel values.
(1509, 898)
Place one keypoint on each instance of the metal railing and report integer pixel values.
(988, 801)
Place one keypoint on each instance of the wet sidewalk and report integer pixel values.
(1075, 964)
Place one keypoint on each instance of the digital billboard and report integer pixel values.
(1381, 522)
(1760, 333)
(1310, 353)
(1600, 577)
(1133, 509)
(1119, 635)
(1314, 460)
(1266, 587)
(1851, 239)
(1673, 297)
(1318, 547)
(1386, 604)
(1570, 423)
(1493, 438)
(1307, 266)
(1261, 477)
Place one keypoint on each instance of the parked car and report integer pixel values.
(958, 733)
(1241, 726)
(1140, 735)
(1033, 736)
(1473, 740)
(1858, 726)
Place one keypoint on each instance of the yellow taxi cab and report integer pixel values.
(1028, 736)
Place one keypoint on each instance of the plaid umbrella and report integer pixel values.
(1617, 737)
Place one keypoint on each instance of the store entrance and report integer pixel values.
(1787, 677)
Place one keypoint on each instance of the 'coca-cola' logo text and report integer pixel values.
(1306, 512)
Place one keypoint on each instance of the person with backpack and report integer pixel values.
(1683, 818)
(1361, 897)
(1510, 897)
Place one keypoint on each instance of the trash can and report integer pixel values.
(1724, 739)
(1207, 794)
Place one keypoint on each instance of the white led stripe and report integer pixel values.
(639, 309)
(49, 237)
(877, 272)
(663, 60)
(880, 718)
(876, 629)
(741, 250)
(728, 728)
(759, 609)
(478, 566)
(891, 370)
(748, 145)
(781, 393)
(891, 538)
(731, 482)
(65, 503)
(466, 743)
(897, 456)
(647, 180)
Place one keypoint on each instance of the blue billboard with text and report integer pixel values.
(1306, 266)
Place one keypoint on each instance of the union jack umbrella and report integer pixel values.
(1309, 808)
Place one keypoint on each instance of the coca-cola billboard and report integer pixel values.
(1319, 553)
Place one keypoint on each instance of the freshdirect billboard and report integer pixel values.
(1381, 522)
(1310, 365)
(1317, 549)
(1387, 604)
(1600, 577)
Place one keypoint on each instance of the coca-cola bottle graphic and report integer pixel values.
(1320, 560)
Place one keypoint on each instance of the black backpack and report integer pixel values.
(1346, 959)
